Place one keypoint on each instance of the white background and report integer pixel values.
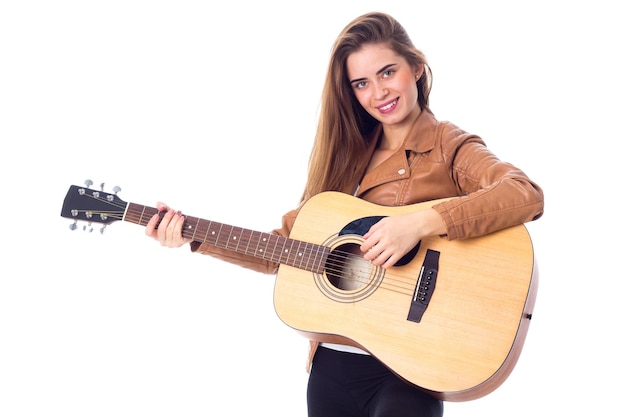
(211, 107)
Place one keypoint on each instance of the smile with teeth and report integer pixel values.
(388, 106)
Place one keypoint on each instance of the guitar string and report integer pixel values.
(343, 259)
(336, 265)
(360, 276)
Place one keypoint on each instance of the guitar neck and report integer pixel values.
(266, 246)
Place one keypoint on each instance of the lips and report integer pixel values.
(387, 107)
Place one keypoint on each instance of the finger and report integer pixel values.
(164, 226)
(374, 253)
(180, 223)
(151, 226)
(174, 228)
(380, 258)
(391, 261)
(368, 243)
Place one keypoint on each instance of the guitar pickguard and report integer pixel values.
(362, 225)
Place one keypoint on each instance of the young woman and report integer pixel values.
(377, 139)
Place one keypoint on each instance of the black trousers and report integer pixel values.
(345, 384)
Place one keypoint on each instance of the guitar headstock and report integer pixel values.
(92, 206)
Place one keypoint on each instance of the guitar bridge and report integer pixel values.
(425, 286)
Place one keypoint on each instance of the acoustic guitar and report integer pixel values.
(450, 317)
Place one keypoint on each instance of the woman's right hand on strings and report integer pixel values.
(169, 230)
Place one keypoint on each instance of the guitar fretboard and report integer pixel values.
(267, 246)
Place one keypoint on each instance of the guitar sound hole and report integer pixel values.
(346, 269)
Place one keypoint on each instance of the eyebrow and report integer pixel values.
(380, 71)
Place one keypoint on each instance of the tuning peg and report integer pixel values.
(101, 186)
(74, 225)
(88, 228)
(116, 189)
(88, 183)
(102, 229)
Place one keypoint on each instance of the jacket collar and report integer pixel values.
(421, 139)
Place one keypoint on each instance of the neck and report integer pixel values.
(395, 134)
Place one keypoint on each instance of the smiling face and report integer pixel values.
(384, 83)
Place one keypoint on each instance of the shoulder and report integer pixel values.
(452, 136)
(430, 133)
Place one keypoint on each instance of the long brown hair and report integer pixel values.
(339, 153)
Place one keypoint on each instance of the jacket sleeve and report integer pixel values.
(493, 194)
(248, 261)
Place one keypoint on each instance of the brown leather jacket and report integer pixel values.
(438, 160)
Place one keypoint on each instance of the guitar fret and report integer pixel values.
(206, 234)
(299, 254)
(227, 240)
(288, 252)
(302, 254)
(141, 216)
(261, 251)
(230, 238)
(273, 257)
(215, 234)
(316, 263)
(236, 239)
(256, 249)
(296, 254)
(278, 252)
(248, 243)
(211, 234)
(308, 257)
(283, 252)
(262, 240)
(215, 230)
(195, 229)
(218, 234)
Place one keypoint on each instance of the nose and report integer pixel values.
(380, 91)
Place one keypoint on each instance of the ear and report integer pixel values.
(419, 71)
